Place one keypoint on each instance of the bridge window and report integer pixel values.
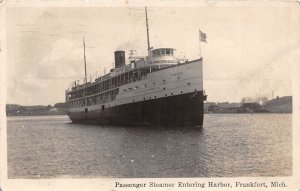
(154, 53)
(167, 51)
(162, 52)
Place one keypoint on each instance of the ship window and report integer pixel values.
(103, 107)
(167, 51)
(154, 53)
(163, 51)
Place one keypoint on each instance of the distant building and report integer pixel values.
(252, 106)
(213, 108)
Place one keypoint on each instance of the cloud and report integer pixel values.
(62, 62)
(47, 80)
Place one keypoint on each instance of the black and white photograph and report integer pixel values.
(145, 95)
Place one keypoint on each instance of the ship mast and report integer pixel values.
(147, 27)
(84, 61)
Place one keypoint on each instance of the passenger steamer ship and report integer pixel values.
(157, 89)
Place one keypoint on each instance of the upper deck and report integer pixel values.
(158, 58)
(137, 69)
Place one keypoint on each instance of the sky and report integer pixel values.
(249, 51)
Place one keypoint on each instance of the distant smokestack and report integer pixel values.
(119, 59)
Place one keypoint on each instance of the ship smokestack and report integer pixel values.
(119, 59)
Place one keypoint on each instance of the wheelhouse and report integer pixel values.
(163, 55)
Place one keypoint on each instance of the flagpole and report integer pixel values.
(200, 49)
(202, 38)
(200, 53)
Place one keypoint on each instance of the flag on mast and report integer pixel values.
(202, 36)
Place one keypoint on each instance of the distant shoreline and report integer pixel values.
(36, 115)
(279, 105)
(38, 110)
(267, 113)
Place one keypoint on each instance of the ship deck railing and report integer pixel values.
(161, 67)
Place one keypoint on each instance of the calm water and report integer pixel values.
(228, 145)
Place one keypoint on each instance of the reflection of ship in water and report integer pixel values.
(157, 89)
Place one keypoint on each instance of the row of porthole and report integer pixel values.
(136, 87)
(150, 97)
(155, 96)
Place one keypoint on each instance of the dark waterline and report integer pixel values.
(228, 145)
